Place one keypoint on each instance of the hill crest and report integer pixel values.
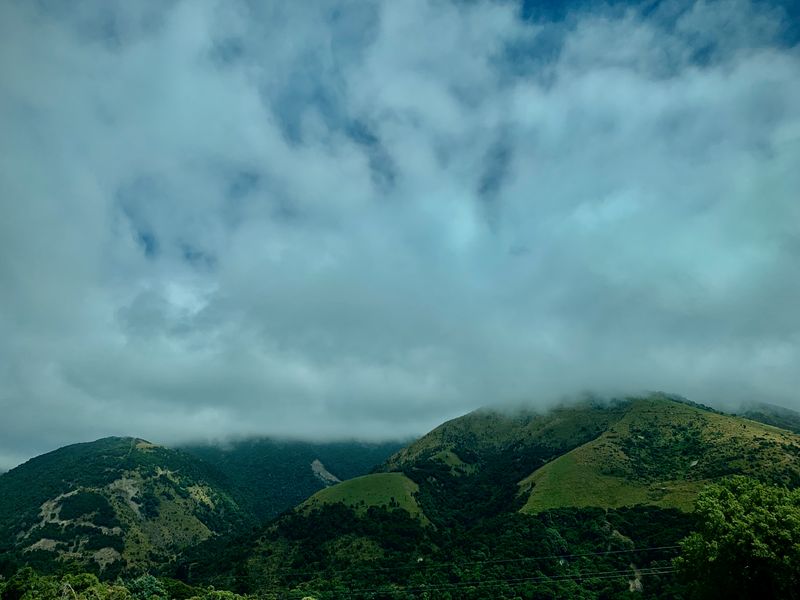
(658, 450)
(111, 505)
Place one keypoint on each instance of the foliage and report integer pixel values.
(27, 584)
(271, 476)
(334, 551)
(452, 499)
(149, 504)
(748, 542)
(89, 504)
(141, 502)
(147, 587)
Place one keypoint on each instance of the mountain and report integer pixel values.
(270, 476)
(539, 498)
(113, 505)
(583, 500)
(118, 505)
(663, 452)
(655, 450)
(771, 414)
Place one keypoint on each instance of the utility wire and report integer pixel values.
(626, 573)
(480, 583)
(424, 565)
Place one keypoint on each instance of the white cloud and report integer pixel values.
(338, 219)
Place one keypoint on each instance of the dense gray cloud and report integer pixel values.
(343, 219)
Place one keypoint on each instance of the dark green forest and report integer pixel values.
(268, 476)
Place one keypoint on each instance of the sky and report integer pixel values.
(335, 219)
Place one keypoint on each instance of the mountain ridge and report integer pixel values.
(663, 452)
(473, 490)
(112, 505)
(533, 459)
(591, 476)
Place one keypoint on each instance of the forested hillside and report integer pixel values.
(269, 476)
(111, 506)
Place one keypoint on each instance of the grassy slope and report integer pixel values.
(574, 481)
(648, 456)
(468, 468)
(378, 489)
(463, 442)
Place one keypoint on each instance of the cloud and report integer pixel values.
(347, 219)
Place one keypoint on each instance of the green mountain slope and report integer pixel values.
(465, 442)
(663, 452)
(541, 499)
(391, 490)
(123, 504)
(777, 416)
(657, 450)
(468, 469)
(113, 505)
(270, 476)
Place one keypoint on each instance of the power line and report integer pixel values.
(392, 588)
(615, 574)
(482, 582)
(455, 564)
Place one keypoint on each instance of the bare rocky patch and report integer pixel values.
(127, 488)
(44, 544)
(323, 474)
(105, 557)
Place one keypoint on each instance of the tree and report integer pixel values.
(748, 544)
(28, 584)
(147, 587)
